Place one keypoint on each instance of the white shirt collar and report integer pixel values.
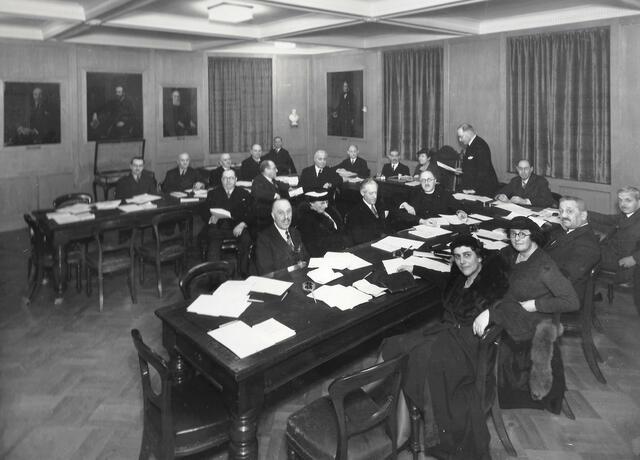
(472, 139)
(317, 169)
(283, 233)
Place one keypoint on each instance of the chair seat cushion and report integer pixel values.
(314, 430)
(169, 252)
(111, 261)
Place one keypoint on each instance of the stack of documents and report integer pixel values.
(103, 205)
(294, 192)
(427, 231)
(62, 218)
(202, 193)
(323, 275)
(498, 234)
(339, 296)
(230, 299)
(369, 288)
(338, 261)
(394, 243)
(480, 217)
(78, 208)
(413, 183)
(178, 194)
(392, 265)
(267, 285)
(470, 197)
(189, 199)
(453, 219)
(514, 208)
(144, 198)
(136, 207)
(291, 181)
(244, 340)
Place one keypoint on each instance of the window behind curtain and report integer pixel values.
(558, 104)
(413, 100)
(240, 101)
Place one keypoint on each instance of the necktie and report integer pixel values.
(393, 167)
(319, 172)
(333, 222)
(374, 210)
(289, 240)
(182, 172)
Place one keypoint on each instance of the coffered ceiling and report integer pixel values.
(314, 26)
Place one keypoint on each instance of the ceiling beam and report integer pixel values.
(39, 9)
(304, 26)
(397, 9)
(435, 25)
(351, 8)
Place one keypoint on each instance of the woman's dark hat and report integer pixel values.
(523, 223)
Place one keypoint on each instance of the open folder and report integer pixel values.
(245, 340)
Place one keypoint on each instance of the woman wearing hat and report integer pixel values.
(426, 162)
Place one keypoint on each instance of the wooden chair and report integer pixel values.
(72, 198)
(581, 322)
(170, 242)
(214, 273)
(179, 420)
(113, 252)
(349, 423)
(609, 278)
(42, 257)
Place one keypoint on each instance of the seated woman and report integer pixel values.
(531, 370)
(441, 372)
(426, 162)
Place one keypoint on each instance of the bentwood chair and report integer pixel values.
(206, 277)
(609, 278)
(350, 423)
(112, 253)
(170, 242)
(71, 199)
(179, 420)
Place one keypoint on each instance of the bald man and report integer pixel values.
(224, 164)
(319, 175)
(526, 188)
(250, 167)
(182, 177)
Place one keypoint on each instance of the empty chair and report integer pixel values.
(71, 199)
(112, 253)
(170, 240)
(206, 276)
(609, 278)
(179, 420)
(349, 423)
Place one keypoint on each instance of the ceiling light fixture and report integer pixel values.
(230, 12)
(284, 45)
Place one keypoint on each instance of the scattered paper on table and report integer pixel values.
(498, 234)
(480, 217)
(445, 166)
(453, 219)
(267, 285)
(244, 341)
(471, 197)
(413, 183)
(104, 205)
(339, 296)
(369, 288)
(137, 207)
(428, 231)
(78, 208)
(431, 264)
(393, 243)
(143, 198)
(323, 275)
(512, 207)
(244, 183)
(178, 194)
(62, 218)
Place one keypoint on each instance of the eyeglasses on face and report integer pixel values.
(430, 179)
(518, 235)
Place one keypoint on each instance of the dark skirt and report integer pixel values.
(440, 379)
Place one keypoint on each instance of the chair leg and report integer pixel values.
(132, 282)
(78, 278)
(159, 277)
(501, 429)
(35, 282)
(88, 273)
(141, 264)
(414, 414)
(590, 351)
(566, 409)
(101, 289)
(610, 293)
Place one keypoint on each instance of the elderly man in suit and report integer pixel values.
(353, 163)
(250, 166)
(319, 175)
(526, 188)
(367, 220)
(574, 247)
(215, 176)
(321, 226)
(279, 245)
(621, 243)
(182, 177)
(477, 170)
(238, 203)
(137, 182)
(280, 156)
(394, 167)
(265, 189)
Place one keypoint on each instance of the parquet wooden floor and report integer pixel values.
(69, 385)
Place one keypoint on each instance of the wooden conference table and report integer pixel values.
(322, 333)
(60, 235)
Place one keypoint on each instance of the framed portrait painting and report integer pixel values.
(179, 112)
(114, 106)
(344, 104)
(31, 113)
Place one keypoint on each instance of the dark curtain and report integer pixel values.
(413, 100)
(240, 101)
(558, 109)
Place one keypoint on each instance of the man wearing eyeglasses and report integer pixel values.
(137, 182)
(427, 202)
(526, 188)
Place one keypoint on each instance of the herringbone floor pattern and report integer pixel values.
(69, 385)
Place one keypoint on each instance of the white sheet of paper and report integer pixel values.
(111, 204)
(491, 244)
(78, 208)
(245, 341)
(514, 208)
(431, 264)
(294, 192)
(323, 275)
(393, 243)
(453, 219)
(480, 217)
(274, 330)
(339, 296)
(392, 265)
(428, 231)
(267, 285)
(413, 183)
(445, 166)
(244, 183)
(498, 234)
(178, 194)
(291, 181)
(220, 213)
(369, 288)
(143, 198)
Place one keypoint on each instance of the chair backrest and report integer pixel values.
(165, 220)
(487, 370)
(216, 273)
(36, 237)
(72, 198)
(585, 314)
(123, 240)
(388, 371)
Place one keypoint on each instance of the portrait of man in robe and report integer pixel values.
(344, 104)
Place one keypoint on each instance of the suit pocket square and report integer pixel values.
(470, 158)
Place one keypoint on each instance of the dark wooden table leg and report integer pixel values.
(61, 273)
(244, 426)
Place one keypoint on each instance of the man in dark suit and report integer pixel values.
(477, 170)
(239, 204)
(321, 226)
(137, 182)
(527, 188)
(265, 190)
(250, 167)
(354, 164)
(215, 176)
(182, 177)
(367, 220)
(394, 167)
(319, 175)
(621, 244)
(574, 247)
(279, 245)
(280, 156)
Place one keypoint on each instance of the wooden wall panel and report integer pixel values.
(18, 195)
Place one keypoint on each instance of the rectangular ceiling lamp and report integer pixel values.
(230, 12)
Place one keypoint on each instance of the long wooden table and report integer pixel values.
(322, 333)
(59, 236)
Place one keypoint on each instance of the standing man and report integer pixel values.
(137, 182)
(265, 190)
(215, 177)
(354, 164)
(527, 188)
(477, 170)
(621, 244)
(250, 167)
(574, 247)
(367, 220)
(182, 177)
(279, 245)
(394, 167)
(239, 204)
(319, 175)
(280, 156)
